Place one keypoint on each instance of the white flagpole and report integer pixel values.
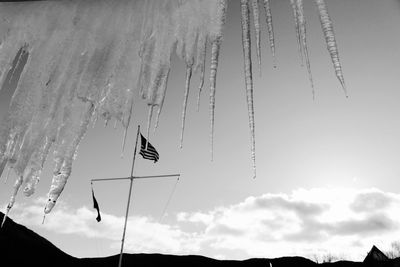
(129, 200)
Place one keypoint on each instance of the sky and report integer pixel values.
(327, 169)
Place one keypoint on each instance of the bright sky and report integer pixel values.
(327, 170)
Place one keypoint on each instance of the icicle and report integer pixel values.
(213, 81)
(3, 164)
(17, 185)
(248, 75)
(21, 110)
(94, 121)
(303, 34)
(201, 61)
(7, 175)
(32, 183)
(297, 29)
(185, 100)
(200, 86)
(65, 158)
(268, 14)
(4, 217)
(159, 110)
(149, 117)
(256, 18)
(216, 39)
(327, 28)
(126, 125)
(34, 137)
(32, 177)
(163, 87)
(123, 141)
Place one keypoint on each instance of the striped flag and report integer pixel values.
(148, 151)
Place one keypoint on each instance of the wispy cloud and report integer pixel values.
(311, 222)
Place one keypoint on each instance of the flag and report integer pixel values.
(96, 206)
(148, 151)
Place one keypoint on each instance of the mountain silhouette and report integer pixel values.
(20, 246)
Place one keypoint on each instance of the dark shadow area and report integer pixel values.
(17, 66)
(21, 1)
(11, 79)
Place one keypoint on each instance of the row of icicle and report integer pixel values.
(300, 28)
(81, 61)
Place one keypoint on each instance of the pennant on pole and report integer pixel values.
(96, 206)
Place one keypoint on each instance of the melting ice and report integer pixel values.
(87, 59)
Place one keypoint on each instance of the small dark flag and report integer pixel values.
(96, 206)
(148, 151)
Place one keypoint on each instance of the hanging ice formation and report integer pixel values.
(330, 40)
(81, 60)
(300, 27)
(88, 59)
(268, 15)
(248, 75)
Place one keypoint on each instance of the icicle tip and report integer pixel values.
(4, 220)
(5, 216)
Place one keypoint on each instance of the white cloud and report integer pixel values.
(337, 221)
(145, 235)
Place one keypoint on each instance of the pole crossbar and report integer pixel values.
(110, 179)
(135, 177)
(156, 176)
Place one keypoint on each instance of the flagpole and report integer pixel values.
(129, 199)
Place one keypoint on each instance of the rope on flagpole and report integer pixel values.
(169, 199)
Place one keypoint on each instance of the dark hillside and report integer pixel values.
(20, 246)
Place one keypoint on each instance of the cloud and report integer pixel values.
(223, 229)
(283, 202)
(376, 223)
(372, 200)
(306, 222)
(145, 234)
